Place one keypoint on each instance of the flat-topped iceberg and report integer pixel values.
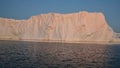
(74, 27)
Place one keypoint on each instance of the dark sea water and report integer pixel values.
(15, 54)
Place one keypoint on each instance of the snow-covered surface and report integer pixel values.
(81, 26)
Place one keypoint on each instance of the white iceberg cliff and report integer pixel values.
(81, 26)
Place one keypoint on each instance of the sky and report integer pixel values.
(24, 9)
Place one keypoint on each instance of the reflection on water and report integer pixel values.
(58, 55)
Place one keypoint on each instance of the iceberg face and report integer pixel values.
(82, 26)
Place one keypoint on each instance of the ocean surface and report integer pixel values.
(14, 54)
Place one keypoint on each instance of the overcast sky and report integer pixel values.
(23, 9)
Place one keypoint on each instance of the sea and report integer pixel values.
(21, 54)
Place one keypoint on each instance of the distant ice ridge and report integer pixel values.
(81, 26)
